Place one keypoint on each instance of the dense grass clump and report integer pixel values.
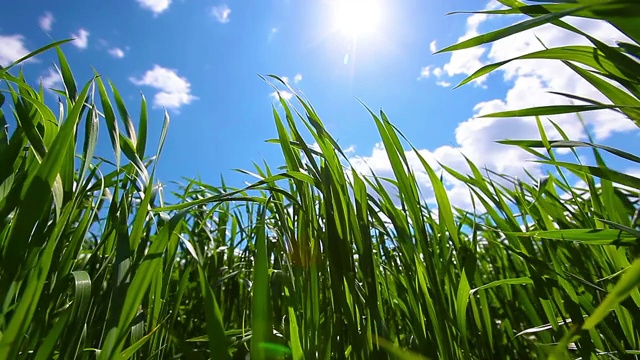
(317, 260)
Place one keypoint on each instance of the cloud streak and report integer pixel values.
(221, 13)
(116, 53)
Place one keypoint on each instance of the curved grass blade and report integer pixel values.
(67, 76)
(515, 281)
(603, 173)
(555, 110)
(586, 55)
(33, 53)
(511, 30)
(586, 236)
(571, 144)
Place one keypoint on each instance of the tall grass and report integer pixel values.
(316, 260)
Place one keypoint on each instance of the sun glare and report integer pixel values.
(355, 18)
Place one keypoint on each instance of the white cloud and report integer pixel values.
(378, 163)
(116, 53)
(349, 150)
(528, 83)
(156, 6)
(281, 93)
(437, 72)
(532, 79)
(433, 46)
(315, 147)
(52, 79)
(425, 72)
(443, 83)
(221, 13)
(173, 91)
(11, 49)
(46, 21)
(81, 39)
(285, 94)
(467, 61)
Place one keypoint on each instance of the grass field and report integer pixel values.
(317, 260)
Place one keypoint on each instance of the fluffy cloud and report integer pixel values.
(81, 39)
(378, 163)
(221, 13)
(116, 53)
(287, 95)
(173, 91)
(467, 61)
(51, 79)
(425, 72)
(529, 83)
(11, 49)
(46, 21)
(433, 46)
(296, 79)
(443, 83)
(349, 150)
(155, 6)
(531, 80)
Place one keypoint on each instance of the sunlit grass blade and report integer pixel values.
(604, 173)
(67, 76)
(571, 144)
(555, 110)
(511, 30)
(586, 55)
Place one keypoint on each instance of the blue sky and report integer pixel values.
(201, 61)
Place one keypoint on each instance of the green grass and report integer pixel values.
(315, 260)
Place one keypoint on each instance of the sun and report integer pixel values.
(355, 18)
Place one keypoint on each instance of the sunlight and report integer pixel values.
(355, 18)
